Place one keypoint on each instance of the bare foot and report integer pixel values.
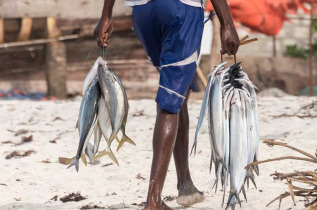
(161, 206)
(189, 195)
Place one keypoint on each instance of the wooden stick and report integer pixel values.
(273, 142)
(244, 38)
(38, 41)
(1, 31)
(201, 76)
(242, 42)
(280, 158)
(26, 28)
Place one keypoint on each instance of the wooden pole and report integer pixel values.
(26, 28)
(311, 59)
(201, 76)
(38, 41)
(1, 31)
(56, 63)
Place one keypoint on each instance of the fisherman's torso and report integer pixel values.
(194, 3)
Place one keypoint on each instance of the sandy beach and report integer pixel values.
(39, 181)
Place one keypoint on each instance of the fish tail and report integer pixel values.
(108, 153)
(224, 186)
(218, 172)
(83, 158)
(112, 137)
(231, 201)
(256, 167)
(244, 193)
(194, 147)
(253, 181)
(124, 139)
(74, 163)
(117, 139)
(211, 160)
(89, 153)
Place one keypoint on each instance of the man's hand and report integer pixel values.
(229, 40)
(103, 31)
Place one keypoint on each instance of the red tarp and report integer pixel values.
(264, 16)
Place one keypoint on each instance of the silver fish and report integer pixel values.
(226, 138)
(105, 127)
(251, 88)
(109, 92)
(238, 149)
(217, 125)
(97, 138)
(87, 118)
(125, 110)
(205, 102)
(92, 74)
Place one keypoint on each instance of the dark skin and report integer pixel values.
(171, 130)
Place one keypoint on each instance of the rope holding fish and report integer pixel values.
(234, 57)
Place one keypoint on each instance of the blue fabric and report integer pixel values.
(170, 32)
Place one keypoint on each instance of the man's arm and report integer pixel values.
(104, 27)
(229, 37)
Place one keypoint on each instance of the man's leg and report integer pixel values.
(165, 132)
(187, 192)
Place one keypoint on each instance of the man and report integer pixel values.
(170, 32)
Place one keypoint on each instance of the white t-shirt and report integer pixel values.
(131, 3)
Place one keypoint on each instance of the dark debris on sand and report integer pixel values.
(17, 154)
(91, 206)
(169, 198)
(72, 197)
(139, 204)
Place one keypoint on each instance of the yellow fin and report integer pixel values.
(109, 153)
(123, 140)
(117, 139)
(83, 158)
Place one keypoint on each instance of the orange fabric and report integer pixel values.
(264, 16)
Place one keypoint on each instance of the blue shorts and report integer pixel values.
(170, 32)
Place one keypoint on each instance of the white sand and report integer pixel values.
(118, 187)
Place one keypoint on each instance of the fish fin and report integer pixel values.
(76, 126)
(224, 186)
(231, 201)
(89, 153)
(253, 181)
(84, 159)
(218, 171)
(211, 160)
(109, 153)
(74, 163)
(117, 139)
(238, 198)
(124, 139)
(112, 137)
(244, 193)
(256, 167)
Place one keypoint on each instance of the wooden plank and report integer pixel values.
(26, 29)
(38, 41)
(1, 31)
(52, 30)
(62, 9)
